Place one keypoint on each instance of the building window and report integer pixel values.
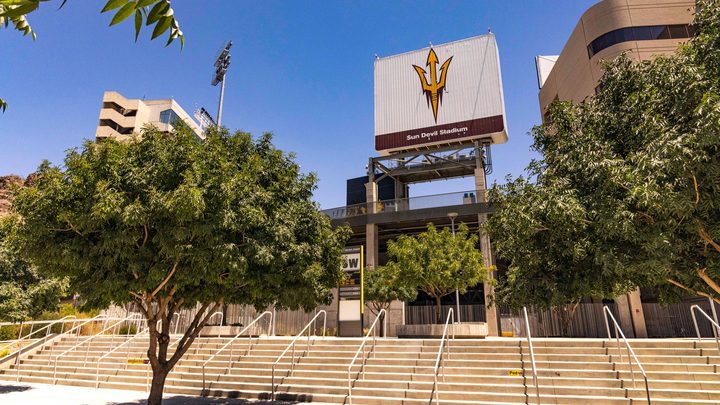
(647, 33)
(169, 117)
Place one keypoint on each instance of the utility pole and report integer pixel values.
(222, 63)
(452, 216)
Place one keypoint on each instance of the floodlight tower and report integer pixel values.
(222, 63)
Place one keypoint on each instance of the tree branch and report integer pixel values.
(162, 284)
(697, 192)
(710, 282)
(690, 290)
(192, 331)
(145, 229)
(708, 239)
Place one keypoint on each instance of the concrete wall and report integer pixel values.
(147, 112)
(575, 75)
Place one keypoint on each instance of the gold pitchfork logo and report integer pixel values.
(433, 89)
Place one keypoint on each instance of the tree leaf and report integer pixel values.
(162, 26)
(20, 10)
(157, 12)
(138, 23)
(122, 14)
(145, 3)
(112, 5)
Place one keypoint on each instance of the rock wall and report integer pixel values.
(7, 183)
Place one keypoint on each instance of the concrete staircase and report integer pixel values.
(490, 371)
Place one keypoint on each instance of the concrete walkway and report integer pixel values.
(31, 394)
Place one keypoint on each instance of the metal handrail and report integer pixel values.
(233, 339)
(19, 350)
(78, 328)
(33, 322)
(222, 318)
(440, 360)
(61, 320)
(619, 333)
(292, 344)
(125, 319)
(532, 355)
(97, 364)
(67, 332)
(712, 322)
(362, 347)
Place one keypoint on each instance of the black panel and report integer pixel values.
(356, 190)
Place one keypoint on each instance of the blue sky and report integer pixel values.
(300, 69)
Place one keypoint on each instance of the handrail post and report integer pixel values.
(714, 315)
(439, 361)
(532, 355)
(272, 383)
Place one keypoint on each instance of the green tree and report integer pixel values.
(157, 13)
(635, 170)
(383, 285)
(24, 292)
(544, 233)
(169, 222)
(437, 262)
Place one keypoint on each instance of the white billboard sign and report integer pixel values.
(445, 94)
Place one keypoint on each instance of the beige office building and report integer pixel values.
(120, 117)
(639, 28)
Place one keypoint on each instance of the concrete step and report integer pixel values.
(399, 371)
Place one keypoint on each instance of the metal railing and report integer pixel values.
(403, 204)
(19, 340)
(292, 345)
(131, 317)
(532, 356)
(619, 333)
(440, 361)
(245, 329)
(382, 313)
(76, 328)
(222, 318)
(127, 357)
(712, 322)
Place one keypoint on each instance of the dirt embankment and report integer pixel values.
(7, 184)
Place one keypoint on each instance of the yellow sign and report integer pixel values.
(434, 88)
(515, 373)
(138, 361)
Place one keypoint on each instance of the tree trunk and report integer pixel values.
(438, 309)
(566, 314)
(160, 340)
(157, 386)
(224, 315)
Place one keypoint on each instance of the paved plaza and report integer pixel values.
(31, 394)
